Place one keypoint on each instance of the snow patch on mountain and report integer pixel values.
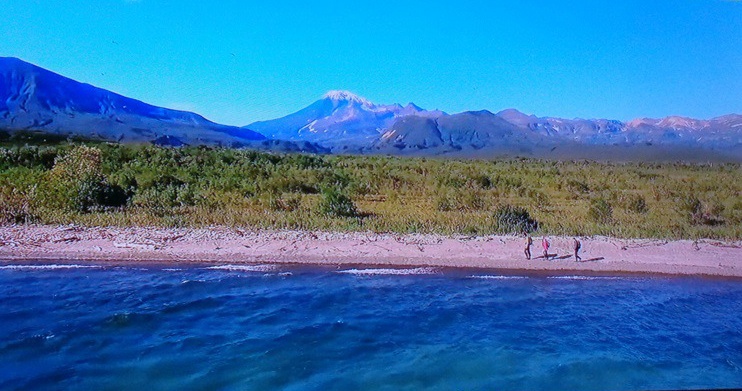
(339, 118)
(343, 95)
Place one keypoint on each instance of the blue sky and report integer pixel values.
(240, 61)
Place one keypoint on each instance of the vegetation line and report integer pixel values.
(99, 184)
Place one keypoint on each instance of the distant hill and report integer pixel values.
(510, 133)
(34, 99)
(348, 123)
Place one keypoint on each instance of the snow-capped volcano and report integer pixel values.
(38, 100)
(339, 117)
(342, 95)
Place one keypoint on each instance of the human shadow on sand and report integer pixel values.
(593, 259)
(556, 257)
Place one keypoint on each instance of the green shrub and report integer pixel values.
(113, 195)
(691, 208)
(284, 203)
(509, 183)
(28, 156)
(87, 194)
(79, 163)
(444, 203)
(696, 214)
(163, 197)
(336, 204)
(513, 220)
(462, 201)
(76, 182)
(15, 206)
(451, 180)
(539, 199)
(734, 213)
(481, 181)
(577, 187)
(637, 204)
(600, 211)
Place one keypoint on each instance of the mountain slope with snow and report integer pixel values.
(339, 118)
(483, 134)
(719, 132)
(32, 98)
(346, 122)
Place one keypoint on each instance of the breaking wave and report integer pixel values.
(246, 268)
(48, 267)
(396, 272)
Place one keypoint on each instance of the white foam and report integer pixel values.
(499, 277)
(246, 268)
(396, 272)
(585, 278)
(191, 281)
(47, 267)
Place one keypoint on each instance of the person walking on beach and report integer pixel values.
(545, 245)
(529, 243)
(577, 246)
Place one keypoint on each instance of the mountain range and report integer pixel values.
(345, 122)
(32, 98)
(35, 99)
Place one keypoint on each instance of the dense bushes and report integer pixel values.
(15, 206)
(697, 214)
(637, 204)
(513, 220)
(462, 201)
(76, 183)
(600, 211)
(336, 204)
(148, 185)
(28, 156)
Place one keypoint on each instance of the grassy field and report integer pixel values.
(124, 185)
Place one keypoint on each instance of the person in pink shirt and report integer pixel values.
(545, 245)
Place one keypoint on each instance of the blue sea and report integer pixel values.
(265, 327)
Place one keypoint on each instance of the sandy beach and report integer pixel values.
(235, 246)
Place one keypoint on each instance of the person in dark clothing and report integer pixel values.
(529, 243)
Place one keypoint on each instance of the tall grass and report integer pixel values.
(111, 184)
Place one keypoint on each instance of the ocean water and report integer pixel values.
(268, 327)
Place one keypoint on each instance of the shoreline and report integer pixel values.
(363, 269)
(504, 254)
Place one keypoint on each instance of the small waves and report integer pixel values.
(586, 278)
(365, 327)
(390, 272)
(246, 268)
(47, 267)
